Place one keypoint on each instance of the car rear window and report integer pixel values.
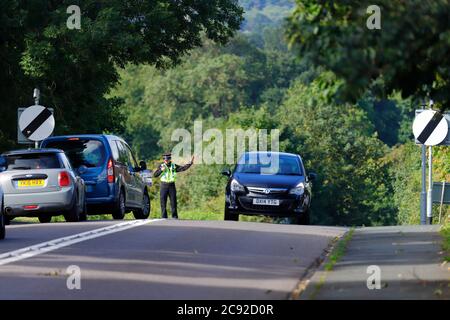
(88, 152)
(33, 161)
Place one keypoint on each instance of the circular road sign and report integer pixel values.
(36, 123)
(430, 127)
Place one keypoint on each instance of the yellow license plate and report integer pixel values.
(31, 183)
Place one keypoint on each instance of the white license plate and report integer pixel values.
(267, 202)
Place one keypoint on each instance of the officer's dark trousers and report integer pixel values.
(168, 190)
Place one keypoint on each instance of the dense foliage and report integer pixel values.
(409, 53)
(75, 69)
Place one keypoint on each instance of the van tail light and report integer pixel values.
(64, 179)
(110, 171)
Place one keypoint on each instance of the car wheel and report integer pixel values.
(228, 216)
(2, 226)
(45, 218)
(73, 214)
(83, 214)
(143, 213)
(303, 219)
(119, 210)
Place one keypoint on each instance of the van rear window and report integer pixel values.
(90, 153)
(33, 161)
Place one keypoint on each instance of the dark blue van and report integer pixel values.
(111, 173)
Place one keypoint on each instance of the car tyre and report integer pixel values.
(229, 216)
(2, 224)
(45, 218)
(143, 213)
(83, 214)
(73, 214)
(303, 219)
(119, 210)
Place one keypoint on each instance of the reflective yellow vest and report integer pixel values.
(169, 173)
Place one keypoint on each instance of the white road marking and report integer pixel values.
(44, 247)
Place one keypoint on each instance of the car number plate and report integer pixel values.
(267, 202)
(31, 183)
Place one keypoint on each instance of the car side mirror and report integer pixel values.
(143, 165)
(82, 169)
(226, 172)
(312, 176)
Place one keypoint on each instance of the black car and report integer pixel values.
(269, 183)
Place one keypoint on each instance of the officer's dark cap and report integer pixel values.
(167, 156)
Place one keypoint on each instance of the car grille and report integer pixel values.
(267, 190)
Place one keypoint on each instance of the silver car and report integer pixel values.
(41, 183)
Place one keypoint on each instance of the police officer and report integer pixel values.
(168, 171)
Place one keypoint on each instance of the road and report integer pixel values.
(409, 262)
(160, 259)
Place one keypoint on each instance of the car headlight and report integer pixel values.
(298, 190)
(236, 186)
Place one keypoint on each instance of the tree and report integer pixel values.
(75, 69)
(410, 52)
(340, 144)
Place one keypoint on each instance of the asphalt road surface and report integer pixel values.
(158, 259)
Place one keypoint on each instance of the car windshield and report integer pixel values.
(269, 164)
(90, 153)
(33, 161)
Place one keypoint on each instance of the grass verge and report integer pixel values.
(334, 257)
(339, 251)
(445, 233)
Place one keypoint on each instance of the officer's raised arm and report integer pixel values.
(185, 167)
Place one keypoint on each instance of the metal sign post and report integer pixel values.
(430, 128)
(430, 186)
(36, 96)
(423, 194)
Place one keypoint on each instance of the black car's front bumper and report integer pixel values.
(289, 204)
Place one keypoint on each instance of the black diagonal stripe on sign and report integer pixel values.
(37, 122)
(429, 128)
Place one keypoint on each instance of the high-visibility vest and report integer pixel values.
(169, 173)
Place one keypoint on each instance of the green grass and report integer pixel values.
(445, 232)
(335, 256)
(339, 251)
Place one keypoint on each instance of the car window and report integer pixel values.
(88, 152)
(122, 153)
(287, 165)
(114, 150)
(131, 158)
(33, 161)
(65, 161)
